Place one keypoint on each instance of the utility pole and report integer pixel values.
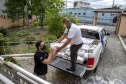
(26, 20)
(113, 3)
(66, 4)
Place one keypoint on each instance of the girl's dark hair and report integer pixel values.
(37, 44)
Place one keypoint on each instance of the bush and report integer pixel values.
(7, 50)
(2, 43)
(14, 40)
(22, 33)
(55, 23)
(10, 59)
(52, 37)
(16, 25)
(3, 31)
(30, 39)
(49, 39)
(34, 23)
(73, 20)
(1, 51)
(3, 40)
(1, 34)
(47, 49)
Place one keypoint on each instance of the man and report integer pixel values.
(74, 37)
(41, 59)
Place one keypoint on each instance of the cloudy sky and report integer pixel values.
(99, 3)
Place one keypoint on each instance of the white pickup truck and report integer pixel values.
(94, 43)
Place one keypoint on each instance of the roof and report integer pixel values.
(94, 28)
(81, 8)
(108, 10)
(82, 2)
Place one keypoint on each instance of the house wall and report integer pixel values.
(33, 17)
(7, 23)
(122, 28)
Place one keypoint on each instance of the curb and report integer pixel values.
(19, 55)
(124, 46)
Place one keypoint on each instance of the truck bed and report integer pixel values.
(62, 64)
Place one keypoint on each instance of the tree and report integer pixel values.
(15, 8)
(117, 7)
(40, 8)
(55, 25)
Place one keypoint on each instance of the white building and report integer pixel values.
(80, 4)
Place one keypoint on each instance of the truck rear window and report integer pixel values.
(90, 34)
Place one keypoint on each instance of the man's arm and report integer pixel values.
(64, 45)
(54, 55)
(61, 38)
(47, 61)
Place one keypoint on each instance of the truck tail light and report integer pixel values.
(90, 62)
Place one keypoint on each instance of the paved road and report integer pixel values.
(112, 66)
(113, 62)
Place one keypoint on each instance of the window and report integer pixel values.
(115, 19)
(102, 14)
(79, 13)
(84, 13)
(75, 13)
(75, 4)
(90, 34)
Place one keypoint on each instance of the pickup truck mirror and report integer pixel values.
(107, 34)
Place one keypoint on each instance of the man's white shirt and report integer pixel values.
(74, 33)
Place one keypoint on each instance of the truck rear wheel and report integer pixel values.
(106, 44)
(94, 71)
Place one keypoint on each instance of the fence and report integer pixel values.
(13, 74)
(22, 47)
(100, 20)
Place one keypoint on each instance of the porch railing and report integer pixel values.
(12, 74)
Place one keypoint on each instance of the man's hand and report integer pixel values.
(56, 42)
(51, 50)
(58, 49)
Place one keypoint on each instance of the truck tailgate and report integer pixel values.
(62, 64)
